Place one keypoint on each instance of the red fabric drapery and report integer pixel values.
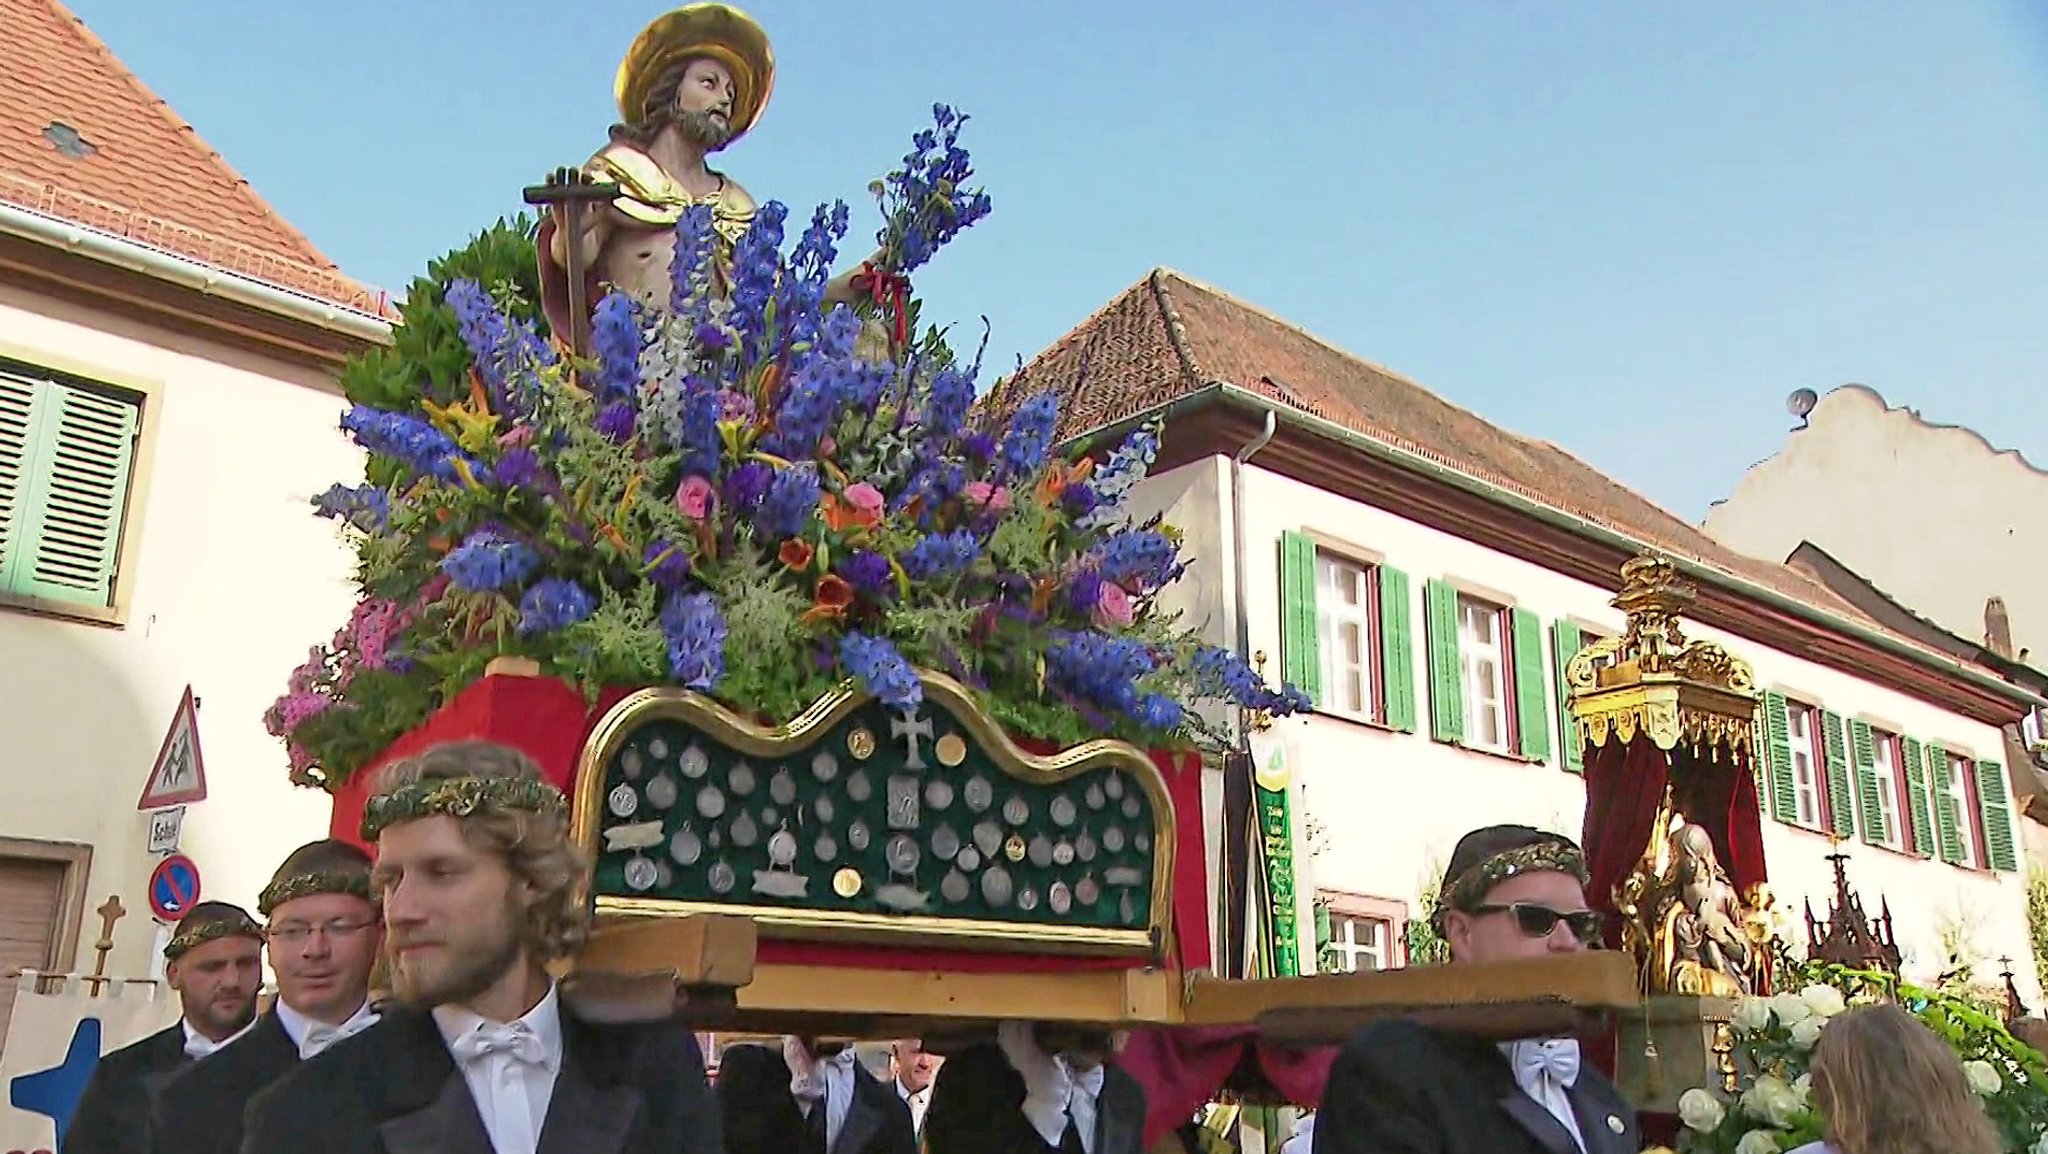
(1184, 1067)
(550, 722)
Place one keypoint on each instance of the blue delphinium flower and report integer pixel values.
(615, 340)
(791, 499)
(695, 630)
(505, 352)
(756, 263)
(690, 266)
(365, 507)
(882, 670)
(946, 408)
(698, 438)
(1022, 452)
(926, 200)
(1099, 669)
(488, 561)
(866, 570)
(1126, 466)
(553, 604)
(418, 445)
(939, 555)
(1222, 674)
(1145, 557)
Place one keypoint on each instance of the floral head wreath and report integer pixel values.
(459, 797)
(193, 933)
(355, 883)
(1468, 889)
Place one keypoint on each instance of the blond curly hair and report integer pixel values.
(535, 847)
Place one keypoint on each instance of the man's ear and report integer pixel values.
(174, 975)
(1457, 930)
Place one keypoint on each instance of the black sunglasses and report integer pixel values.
(1589, 926)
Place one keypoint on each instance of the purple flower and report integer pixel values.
(517, 468)
(667, 565)
(712, 339)
(1085, 591)
(940, 554)
(867, 571)
(791, 500)
(981, 447)
(746, 485)
(734, 405)
(615, 421)
(1080, 501)
(553, 604)
(1023, 448)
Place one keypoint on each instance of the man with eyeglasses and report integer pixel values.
(324, 937)
(215, 962)
(1402, 1088)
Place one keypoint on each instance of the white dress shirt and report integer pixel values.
(918, 1100)
(198, 1045)
(311, 1037)
(1055, 1090)
(827, 1080)
(510, 1067)
(1545, 1069)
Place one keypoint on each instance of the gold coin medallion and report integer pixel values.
(1014, 848)
(846, 882)
(952, 749)
(861, 744)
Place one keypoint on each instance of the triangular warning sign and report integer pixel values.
(179, 777)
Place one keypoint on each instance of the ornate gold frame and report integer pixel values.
(756, 740)
(1652, 680)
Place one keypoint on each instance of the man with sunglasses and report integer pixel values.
(1402, 1088)
(324, 937)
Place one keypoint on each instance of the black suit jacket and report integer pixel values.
(977, 1108)
(394, 1089)
(202, 1114)
(112, 1116)
(761, 1115)
(1401, 1088)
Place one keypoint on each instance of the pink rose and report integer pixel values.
(694, 498)
(866, 500)
(1113, 606)
(994, 498)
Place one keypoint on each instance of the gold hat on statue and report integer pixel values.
(720, 32)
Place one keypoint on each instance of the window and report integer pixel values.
(1347, 636)
(1960, 815)
(1888, 785)
(2034, 728)
(1803, 726)
(66, 448)
(1365, 934)
(1482, 668)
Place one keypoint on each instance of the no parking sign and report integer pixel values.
(173, 888)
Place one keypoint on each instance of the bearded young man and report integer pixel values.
(215, 963)
(1402, 1088)
(806, 1099)
(481, 889)
(324, 936)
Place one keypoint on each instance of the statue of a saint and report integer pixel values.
(1710, 947)
(694, 81)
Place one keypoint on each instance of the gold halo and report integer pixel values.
(719, 31)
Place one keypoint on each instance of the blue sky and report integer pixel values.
(1630, 229)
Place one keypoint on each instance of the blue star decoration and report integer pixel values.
(54, 1093)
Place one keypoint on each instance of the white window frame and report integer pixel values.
(1885, 753)
(1333, 615)
(1473, 656)
(1807, 781)
(1957, 781)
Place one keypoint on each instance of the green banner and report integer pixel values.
(1277, 847)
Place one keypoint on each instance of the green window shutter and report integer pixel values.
(1841, 802)
(1564, 645)
(1916, 798)
(1397, 649)
(22, 406)
(1778, 739)
(1996, 804)
(1532, 696)
(1446, 681)
(1945, 815)
(1300, 663)
(1863, 750)
(69, 540)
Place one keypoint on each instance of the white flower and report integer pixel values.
(1790, 1009)
(1807, 1032)
(1824, 1001)
(1700, 1110)
(1803, 1086)
(1983, 1077)
(1771, 1099)
(1751, 1014)
(2041, 1145)
(1758, 1142)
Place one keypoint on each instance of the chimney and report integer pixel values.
(1997, 628)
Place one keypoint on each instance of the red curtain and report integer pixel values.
(1184, 1067)
(550, 723)
(1624, 786)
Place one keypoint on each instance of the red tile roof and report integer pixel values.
(1169, 335)
(148, 177)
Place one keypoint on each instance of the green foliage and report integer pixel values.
(1425, 946)
(2037, 916)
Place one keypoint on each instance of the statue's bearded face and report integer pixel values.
(702, 109)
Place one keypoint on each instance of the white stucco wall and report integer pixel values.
(1933, 515)
(231, 580)
(1394, 804)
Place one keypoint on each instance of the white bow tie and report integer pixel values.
(514, 1040)
(1553, 1060)
(320, 1035)
(807, 1075)
(199, 1046)
(1054, 1092)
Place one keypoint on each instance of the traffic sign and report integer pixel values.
(173, 888)
(179, 775)
(165, 825)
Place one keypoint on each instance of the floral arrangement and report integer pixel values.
(1773, 1109)
(760, 498)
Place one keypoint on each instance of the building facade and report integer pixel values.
(168, 407)
(1426, 575)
